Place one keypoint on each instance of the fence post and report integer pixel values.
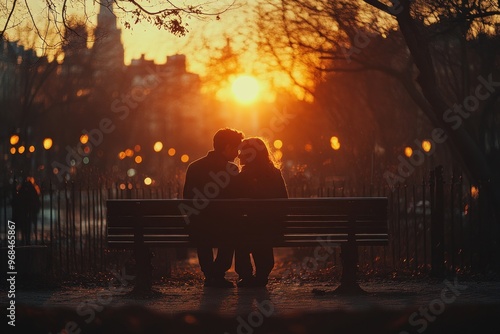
(437, 222)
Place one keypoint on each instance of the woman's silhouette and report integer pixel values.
(260, 177)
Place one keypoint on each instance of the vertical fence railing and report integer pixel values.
(436, 218)
(72, 222)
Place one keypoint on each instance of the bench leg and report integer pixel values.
(144, 268)
(348, 281)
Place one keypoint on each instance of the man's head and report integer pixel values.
(226, 142)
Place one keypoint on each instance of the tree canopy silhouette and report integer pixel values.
(168, 15)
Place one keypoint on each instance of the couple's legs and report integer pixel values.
(264, 263)
(243, 263)
(215, 268)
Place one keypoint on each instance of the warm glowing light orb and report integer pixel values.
(245, 88)
(47, 143)
(14, 139)
(408, 151)
(334, 143)
(158, 146)
(84, 139)
(426, 145)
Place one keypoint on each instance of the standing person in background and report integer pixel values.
(260, 177)
(25, 207)
(199, 174)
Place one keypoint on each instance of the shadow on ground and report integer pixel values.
(139, 319)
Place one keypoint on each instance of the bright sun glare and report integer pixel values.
(245, 88)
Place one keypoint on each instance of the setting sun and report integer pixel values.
(245, 88)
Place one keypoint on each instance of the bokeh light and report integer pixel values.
(185, 158)
(426, 146)
(148, 181)
(84, 139)
(334, 143)
(474, 192)
(408, 151)
(278, 144)
(158, 146)
(14, 139)
(47, 143)
(171, 151)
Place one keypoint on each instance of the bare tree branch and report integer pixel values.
(8, 19)
(379, 5)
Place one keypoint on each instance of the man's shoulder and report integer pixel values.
(198, 162)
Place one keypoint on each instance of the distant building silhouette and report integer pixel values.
(108, 47)
(167, 104)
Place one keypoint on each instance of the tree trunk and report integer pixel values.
(464, 148)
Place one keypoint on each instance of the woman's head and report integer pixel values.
(254, 151)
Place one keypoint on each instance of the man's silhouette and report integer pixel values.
(25, 208)
(199, 174)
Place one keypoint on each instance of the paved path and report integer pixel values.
(284, 307)
(282, 298)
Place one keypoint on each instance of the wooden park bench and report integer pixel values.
(348, 222)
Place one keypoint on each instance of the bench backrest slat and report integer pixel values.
(303, 221)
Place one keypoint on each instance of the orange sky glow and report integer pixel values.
(204, 34)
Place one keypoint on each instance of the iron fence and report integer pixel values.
(435, 225)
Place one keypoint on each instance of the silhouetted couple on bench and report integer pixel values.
(259, 177)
